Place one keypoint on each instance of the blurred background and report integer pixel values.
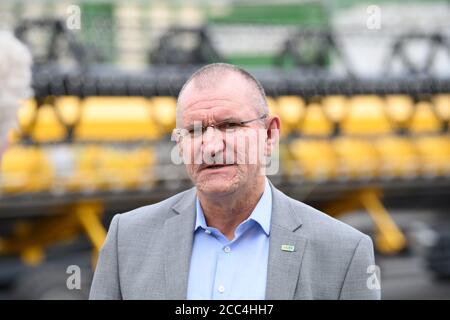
(362, 88)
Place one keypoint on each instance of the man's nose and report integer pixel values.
(213, 143)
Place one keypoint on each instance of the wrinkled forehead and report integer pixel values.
(229, 99)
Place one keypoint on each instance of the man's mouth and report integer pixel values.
(216, 166)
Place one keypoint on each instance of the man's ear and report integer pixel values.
(177, 138)
(273, 133)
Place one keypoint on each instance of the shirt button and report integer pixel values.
(207, 232)
(227, 249)
(221, 289)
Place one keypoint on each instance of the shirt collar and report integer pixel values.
(261, 214)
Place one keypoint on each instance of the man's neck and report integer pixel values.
(225, 213)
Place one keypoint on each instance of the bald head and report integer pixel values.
(213, 75)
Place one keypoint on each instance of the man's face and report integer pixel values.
(226, 158)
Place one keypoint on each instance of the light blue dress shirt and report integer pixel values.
(236, 269)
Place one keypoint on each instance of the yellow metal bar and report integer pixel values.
(30, 238)
(344, 205)
(89, 216)
(33, 255)
(389, 238)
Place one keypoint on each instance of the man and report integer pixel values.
(15, 81)
(234, 235)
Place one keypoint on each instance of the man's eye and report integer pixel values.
(193, 130)
(231, 125)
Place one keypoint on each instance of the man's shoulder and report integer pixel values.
(153, 215)
(320, 226)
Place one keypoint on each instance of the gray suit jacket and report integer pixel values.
(147, 252)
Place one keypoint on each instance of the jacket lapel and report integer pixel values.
(178, 237)
(286, 249)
